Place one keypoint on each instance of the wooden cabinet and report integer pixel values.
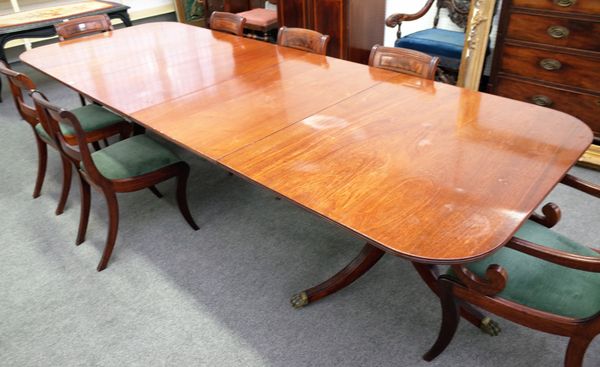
(548, 53)
(353, 25)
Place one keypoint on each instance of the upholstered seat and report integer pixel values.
(447, 45)
(92, 118)
(133, 157)
(543, 285)
(260, 18)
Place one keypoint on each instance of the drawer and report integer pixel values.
(554, 31)
(585, 107)
(556, 67)
(575, 6)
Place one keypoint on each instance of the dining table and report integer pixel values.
(426, 171)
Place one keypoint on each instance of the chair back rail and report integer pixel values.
(51, 117)
(404, 61)
(227, 22)
(83, 26)
(303, 39)
(20, 83)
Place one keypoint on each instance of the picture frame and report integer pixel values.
(191, 12)
(477, 36)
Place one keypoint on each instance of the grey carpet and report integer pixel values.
(218, 296)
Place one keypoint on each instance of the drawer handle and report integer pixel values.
(550, 64)
(542, 100)
(564, 3)
(558, 32)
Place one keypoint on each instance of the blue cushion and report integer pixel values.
(436, 42)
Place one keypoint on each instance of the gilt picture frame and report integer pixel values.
(477, 36)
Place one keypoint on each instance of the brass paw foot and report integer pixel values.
(299, 300)
(490, 327)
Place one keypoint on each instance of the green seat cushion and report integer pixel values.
(91, 117)
(543, 285)
(132, 157)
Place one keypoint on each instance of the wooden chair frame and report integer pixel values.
(404, 61)
(83, 26)
(482, 292)
(19, 84)
(227, 22)
(52, 116)
(303, 39)
(458, 12)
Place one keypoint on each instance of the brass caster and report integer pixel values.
(490, 327)
(299, 300)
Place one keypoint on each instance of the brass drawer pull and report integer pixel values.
(564, 3)
(550, 64)
(542, 100)
(558, 31)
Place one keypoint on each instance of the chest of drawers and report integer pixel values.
(548, 53)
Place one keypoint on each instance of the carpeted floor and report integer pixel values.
(218, 296)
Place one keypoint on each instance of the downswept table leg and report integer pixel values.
(365, 260)
(430, 274)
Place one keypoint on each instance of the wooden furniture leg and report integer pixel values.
(66, 186)
(113, 227)
(430, 274)
(365, 260)
(84, 217)
(450, 320)
(42, 163)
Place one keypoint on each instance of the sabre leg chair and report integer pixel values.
(227, 22)
(129, 165)
(98, 122)
(540, 279)
(83, 26)
(303, 39)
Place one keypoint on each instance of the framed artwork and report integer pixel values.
(191, 12)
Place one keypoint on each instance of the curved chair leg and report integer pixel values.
(155, 191)
(182, 197)
(430, 274)
(113, 226)
(42, 162)
(66, 186)
(84, 216)
(450, 320)
(576, 351)
(368, 256)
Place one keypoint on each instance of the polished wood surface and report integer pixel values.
(54, 12)
(353, 25)
(428, 171)
(424, 170)
(548, 53)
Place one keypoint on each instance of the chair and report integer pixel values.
(261, 23)
(227, 22)
(83, 26)
(540, 279)
(129, 165)
(404, 61)
(303, 39)
(99, 123)
(445, 44)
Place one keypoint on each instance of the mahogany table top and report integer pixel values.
(425, 170)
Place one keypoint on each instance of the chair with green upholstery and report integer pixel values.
(129, 165)
(98, 123)
(540, 279)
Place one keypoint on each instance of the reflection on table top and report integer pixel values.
(428, 171)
